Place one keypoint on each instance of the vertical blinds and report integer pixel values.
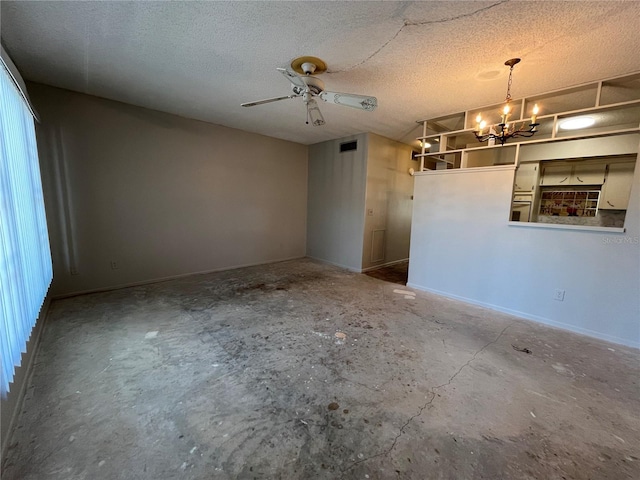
(25, 257)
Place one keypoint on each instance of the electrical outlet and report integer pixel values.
(114, 265)
(558, 295)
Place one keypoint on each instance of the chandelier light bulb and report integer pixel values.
(504, 131)
(481, 125)
(534, 116)
(505, 114)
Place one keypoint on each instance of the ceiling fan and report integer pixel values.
(310, 87)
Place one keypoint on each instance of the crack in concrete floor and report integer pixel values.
(427, 404)
(247, 380)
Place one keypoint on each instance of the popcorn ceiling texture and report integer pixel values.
(421, 59)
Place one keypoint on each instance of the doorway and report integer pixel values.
(396, 273)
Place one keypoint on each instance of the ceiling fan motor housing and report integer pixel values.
(314, 84)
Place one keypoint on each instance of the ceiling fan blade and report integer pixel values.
(268, 100)
(362, 102)
(292, 77)
(314, 112)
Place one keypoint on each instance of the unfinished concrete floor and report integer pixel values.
(397, 273)
(244, 374)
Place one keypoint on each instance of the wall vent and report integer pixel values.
(348, 146)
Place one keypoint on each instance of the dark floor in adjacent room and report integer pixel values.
(396, 273)
(299, 370)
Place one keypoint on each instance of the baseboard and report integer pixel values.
(15, 398)
(527, 316)
(170, 277)
(357, 270)
(322, 260)
(382, 265)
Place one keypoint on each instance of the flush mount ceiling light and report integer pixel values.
(576, 123)
(504, 131)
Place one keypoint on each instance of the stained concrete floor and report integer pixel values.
(243, 374)
(397, 273)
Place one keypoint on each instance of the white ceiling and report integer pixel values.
(420, 59)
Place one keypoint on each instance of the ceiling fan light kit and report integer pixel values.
(503, 131)
(305, 84)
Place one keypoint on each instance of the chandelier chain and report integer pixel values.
(508, 97)
(504, 130)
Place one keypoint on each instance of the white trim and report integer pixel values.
(535, 318)
(388, 264)
(358, 270)
(322, 260)
(451, 171)
(559, 226)
(553, 139)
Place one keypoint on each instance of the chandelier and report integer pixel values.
(504, 131)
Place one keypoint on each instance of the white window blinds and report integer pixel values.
(25, 257)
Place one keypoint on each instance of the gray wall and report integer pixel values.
(388, 202)
(161, 195)
(335, 218)
(463, 247)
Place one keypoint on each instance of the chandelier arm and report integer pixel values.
(505, 133)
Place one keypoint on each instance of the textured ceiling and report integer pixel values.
(420, 59)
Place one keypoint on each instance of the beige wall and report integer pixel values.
(356, 195)
(388, 202)
(161, 195)
(337, 182)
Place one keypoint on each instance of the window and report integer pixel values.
(25, 257)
